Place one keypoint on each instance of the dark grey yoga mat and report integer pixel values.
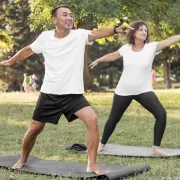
(71, 169)
(126, 151)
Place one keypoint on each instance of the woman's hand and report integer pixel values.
(123, 27)
(93, 64)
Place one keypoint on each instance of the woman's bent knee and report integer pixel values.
(163, 114)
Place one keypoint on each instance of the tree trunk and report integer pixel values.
(111, 79)
(101, 80)
(166, 66)
(20, 81)
(88, 82)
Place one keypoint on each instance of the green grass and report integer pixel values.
(135, 128)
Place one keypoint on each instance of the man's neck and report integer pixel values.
(61, 33)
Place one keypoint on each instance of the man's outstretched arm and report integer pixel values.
(107, 31)
(20, 55)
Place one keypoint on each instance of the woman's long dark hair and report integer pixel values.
(136, 25)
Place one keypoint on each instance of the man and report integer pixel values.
(62, 89)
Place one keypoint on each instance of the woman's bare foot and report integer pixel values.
(18, 165)
(157, 151)
(101, 147)
(96, 170)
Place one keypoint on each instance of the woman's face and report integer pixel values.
(141, 33)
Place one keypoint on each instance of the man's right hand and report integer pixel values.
(6, 63)
(20, 55)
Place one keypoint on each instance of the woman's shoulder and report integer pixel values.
(125, 46)
(151, 43)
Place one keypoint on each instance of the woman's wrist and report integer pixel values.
(97, 61)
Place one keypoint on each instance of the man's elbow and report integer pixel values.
(28, 50)
(92, 36)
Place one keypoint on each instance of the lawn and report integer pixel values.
(135, 128)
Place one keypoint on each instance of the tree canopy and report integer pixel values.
(22, 21)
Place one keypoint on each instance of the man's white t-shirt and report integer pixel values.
(64, 61)
(137, 66)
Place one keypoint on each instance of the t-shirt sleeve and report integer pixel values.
(89, 43)
(36, 46)
(154, 47)
(85, 34)
(122, 50)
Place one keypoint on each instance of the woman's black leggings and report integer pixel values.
(149, 101)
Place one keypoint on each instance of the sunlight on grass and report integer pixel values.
(19, 123)
(19, 97)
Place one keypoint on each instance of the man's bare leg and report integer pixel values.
(28, 142)
(88, 116)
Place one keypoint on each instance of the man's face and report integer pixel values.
(63, 19)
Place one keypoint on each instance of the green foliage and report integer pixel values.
(5, 38)
(6, 42)
(17, 18)
(3, 86)
(15, 25)
(97, 10)
(40, 16)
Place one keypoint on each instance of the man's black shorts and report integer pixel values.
(49, 107)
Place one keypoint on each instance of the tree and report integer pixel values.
(89, 14)
(163, 27)
(6, 42)
(14, 23)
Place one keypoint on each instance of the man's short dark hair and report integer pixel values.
(54, 11)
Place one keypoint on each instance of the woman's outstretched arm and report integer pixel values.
(168, 42)
(108, 57)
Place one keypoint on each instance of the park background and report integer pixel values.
(21, 21)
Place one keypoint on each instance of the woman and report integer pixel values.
(135, 82)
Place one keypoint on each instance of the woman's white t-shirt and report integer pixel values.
(64, 61)
(137, 66)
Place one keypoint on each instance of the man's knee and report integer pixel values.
(93, 123)
(35, 129)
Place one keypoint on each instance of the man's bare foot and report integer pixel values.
(95, 170)
(18, 165)
(157, 151)
(101, 147)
